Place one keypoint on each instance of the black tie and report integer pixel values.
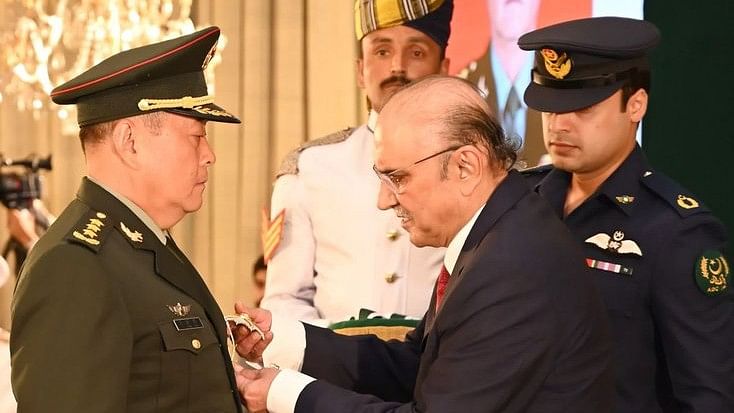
(508, 117)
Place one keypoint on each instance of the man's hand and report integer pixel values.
(22, 227)
(254, 386)
(249, 344)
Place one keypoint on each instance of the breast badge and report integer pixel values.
(712, 273)
(616, 243)
(179, 309)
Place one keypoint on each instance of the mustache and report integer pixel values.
(401, 213)
(398, 80)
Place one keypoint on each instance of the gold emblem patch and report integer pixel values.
(687, 202)
(559, 66)
(712, 273)
(625, 199)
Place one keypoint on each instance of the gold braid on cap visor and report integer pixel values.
(186, 102)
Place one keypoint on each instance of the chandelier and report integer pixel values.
(47, 42)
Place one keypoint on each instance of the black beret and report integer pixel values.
(431, 17)
(167, 76)
(582, 62)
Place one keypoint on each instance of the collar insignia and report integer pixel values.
(134, 236)
(712, 273)
(625, 199)
(687, 202)
(616, 243)
(180, 310)
(559, 66)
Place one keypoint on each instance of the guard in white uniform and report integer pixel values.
(338, 253)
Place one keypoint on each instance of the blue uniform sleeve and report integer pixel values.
(695, 326)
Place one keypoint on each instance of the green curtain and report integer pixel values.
(688, 132)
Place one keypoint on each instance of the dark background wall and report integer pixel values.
(688, 132)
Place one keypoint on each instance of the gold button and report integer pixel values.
(392, 235)
(196, 344)
(391, 277)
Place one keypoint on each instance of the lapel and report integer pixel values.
(430, 316)
(170, 263)
(506, 195)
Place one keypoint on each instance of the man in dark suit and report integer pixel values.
(515, 324)
(108, 314)
(655, 250)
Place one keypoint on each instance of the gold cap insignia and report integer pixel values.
(91, 230)
(134, 236)
(180, 310)
(687, 202)
(625, 199)
(712, 273)
(209, 56)
(559, 66)
(615, 243)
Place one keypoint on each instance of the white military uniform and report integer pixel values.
(339, 252)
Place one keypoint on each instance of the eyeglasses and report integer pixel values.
(395, 180)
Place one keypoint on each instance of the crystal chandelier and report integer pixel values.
(47, 42)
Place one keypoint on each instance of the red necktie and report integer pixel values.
(441, 283)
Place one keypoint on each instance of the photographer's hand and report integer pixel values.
(22, 227)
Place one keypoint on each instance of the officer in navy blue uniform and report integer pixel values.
(656, 251)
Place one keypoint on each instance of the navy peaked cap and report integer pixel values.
(582, 62)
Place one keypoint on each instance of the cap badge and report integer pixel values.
(91, 230)
(209, 56)
(712, 273)
(559, 66)
(180, 310)
(687, 202)
(615, 243)
(134, 236)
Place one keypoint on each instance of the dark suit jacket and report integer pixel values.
(521, 329)
(480, 72)
(92, 330)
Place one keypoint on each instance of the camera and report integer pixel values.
(20, 186)
(18, 189)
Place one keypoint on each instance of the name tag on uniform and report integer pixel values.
(192, 323)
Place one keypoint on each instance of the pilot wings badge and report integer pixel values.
(616, 243)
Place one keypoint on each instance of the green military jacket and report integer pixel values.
(105, 318)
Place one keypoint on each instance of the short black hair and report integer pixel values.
(640, 80)
(259, 264)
